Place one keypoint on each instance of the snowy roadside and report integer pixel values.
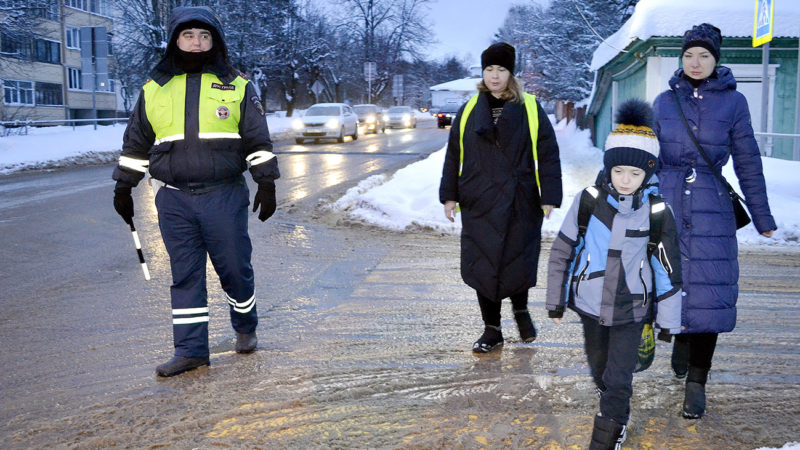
(408, 200)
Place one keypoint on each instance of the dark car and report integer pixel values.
(446, 114)
(370, 118)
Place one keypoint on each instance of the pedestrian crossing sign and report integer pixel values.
(762, 28)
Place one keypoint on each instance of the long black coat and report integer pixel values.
(500, 206)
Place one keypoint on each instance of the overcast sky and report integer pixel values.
(464, 28)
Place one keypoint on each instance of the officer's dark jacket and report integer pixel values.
(188, 158)
(501, 212)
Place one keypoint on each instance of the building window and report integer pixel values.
(15, 47)
(73, 38)
(74, 79)
(41, 50)
(108, 37)
(47, 51)
(93, 6)
(48, 94)
(17, 92)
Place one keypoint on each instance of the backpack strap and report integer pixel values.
(586, 208)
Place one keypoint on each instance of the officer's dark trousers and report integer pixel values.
(213, 223)
(612, 353)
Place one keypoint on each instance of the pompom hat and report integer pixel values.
(499, 54)
(633, 142)
(704, 35)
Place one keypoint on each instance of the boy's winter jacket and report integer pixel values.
(720, 120)
(606, 275)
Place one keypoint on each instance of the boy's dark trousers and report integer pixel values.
(612, 353)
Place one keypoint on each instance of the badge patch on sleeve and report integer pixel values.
(257, 103)
(222, 112)
(223, 87)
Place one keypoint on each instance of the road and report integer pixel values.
(364, 334)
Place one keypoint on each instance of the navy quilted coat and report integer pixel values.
(720, 119)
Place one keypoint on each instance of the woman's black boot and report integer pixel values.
(527, 331)
(491, 339)
(694, 400)
(680, 357)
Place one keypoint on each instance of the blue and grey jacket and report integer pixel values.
(605, 275)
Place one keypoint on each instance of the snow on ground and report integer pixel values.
(409, 199)
(788, 446)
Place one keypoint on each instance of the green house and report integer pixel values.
(642, 56)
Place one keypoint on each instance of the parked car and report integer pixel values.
(326, 121)
(401, 116)
(370, 118)
(446, 114)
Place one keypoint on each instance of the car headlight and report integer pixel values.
(297, 124)
(370, 119)
(333, 123)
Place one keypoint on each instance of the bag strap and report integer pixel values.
(586, 208)
(722, 180)
(657, 207)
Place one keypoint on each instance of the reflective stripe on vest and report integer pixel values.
(218, 109)
(533, 126)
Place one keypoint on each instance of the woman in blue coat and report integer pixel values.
(718, 117)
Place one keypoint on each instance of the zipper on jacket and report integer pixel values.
(695, 93)
(582, 275)
(644, 286)
(663, 259)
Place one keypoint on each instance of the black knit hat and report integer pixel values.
(500, 54)
(633, 142)
(704, 35)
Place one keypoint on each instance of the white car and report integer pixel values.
(401, 116)
(326, 121)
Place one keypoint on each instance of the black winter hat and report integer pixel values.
(704, 35)
(633, 142)
(500, 54)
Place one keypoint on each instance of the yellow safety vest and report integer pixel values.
(219, 108)
(533, 127)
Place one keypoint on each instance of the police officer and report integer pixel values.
(197, 126)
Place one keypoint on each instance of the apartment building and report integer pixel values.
(42, 72)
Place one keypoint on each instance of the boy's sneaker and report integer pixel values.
(527, 332)
(491, 339)
(607, 434)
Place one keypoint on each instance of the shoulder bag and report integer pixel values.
(742, 218)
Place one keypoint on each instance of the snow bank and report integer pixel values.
(409, 200)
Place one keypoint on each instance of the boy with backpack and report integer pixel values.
(616, 262)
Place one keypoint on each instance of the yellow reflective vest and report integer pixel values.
(533, 126)
(218, 108)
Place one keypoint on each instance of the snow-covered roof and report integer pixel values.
(673, 17)
(464, 84)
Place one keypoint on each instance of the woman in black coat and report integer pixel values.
(504, 186)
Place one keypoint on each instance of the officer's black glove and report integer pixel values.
(664, 335)
(265, 198)
(123, 203)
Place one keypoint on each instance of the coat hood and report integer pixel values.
(219, 64)
(722, 81)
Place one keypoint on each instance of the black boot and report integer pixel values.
(180, 364)
(491, 339)
(527, 332)
(694, 400)
(246, 343)
(680, 357)
(607, 434)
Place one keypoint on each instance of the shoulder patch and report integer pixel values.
(257, 104)
(223, 87)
